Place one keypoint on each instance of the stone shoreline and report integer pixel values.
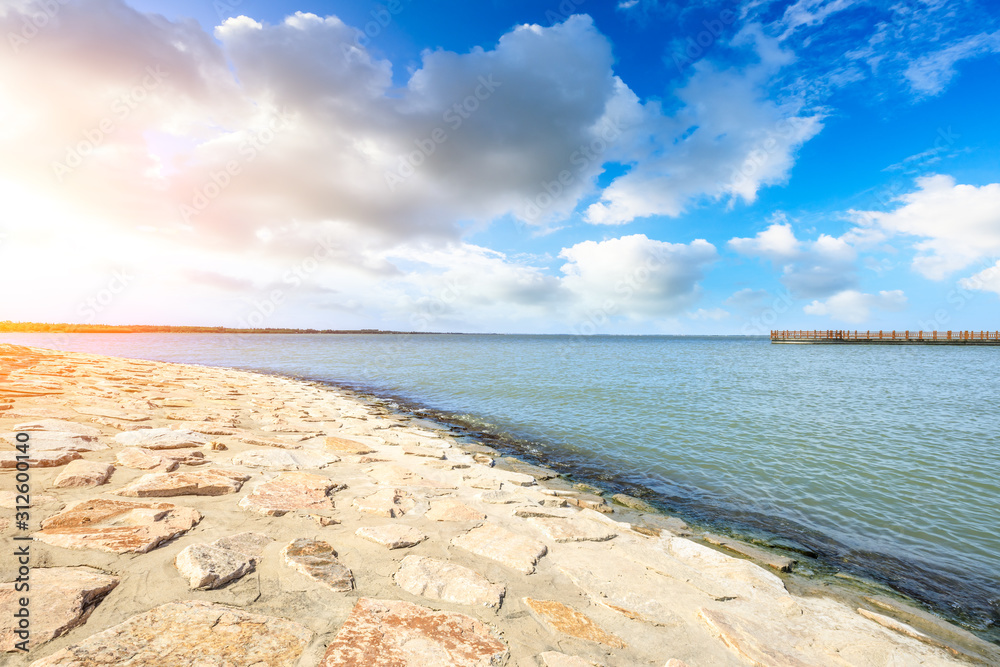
(186, 515)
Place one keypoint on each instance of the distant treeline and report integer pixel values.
(62, 327)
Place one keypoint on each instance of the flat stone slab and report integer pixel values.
(565, 620)
(538, 472)
(450, 509)
(441, 580)
(390, 503)
(251, 544)
(780, 563)
(954, 637)
(393, 536)
(80, 473)
(189, 634)
(743, 638)
(394, 475)
(573, 529)
(117, 526)
(62, 598)
(161, 438)
(212, 482)
(144, 459)
(60, 441)
(206, 566)
(516, 551)
(344, 446)
(393, 633)
(515, 478)
(633, 503)
(56, 425)
(282, 459)
(38, 459)
(318, 560)
(629, 588)
(291, 491)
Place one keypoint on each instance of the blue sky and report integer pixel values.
(639, 167)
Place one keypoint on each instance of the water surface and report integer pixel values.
(882, 460)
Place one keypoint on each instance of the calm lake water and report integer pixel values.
(881, 461)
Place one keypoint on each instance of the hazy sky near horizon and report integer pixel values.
(511, 166)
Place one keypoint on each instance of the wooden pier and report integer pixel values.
(837, 336)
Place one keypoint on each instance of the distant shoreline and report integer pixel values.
(39, 327)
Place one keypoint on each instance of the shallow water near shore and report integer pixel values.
(880, 461)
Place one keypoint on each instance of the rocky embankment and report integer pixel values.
(191, 516)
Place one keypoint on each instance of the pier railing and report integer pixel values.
(846, 336)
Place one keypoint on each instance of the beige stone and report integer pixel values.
(144, 459)
(440, 580)
(284, 459)
(61, 598)
(451, 509)
(84, 473)
(188, 457)
(212, 482)
(633, 503)
(390, 503)
(394, 475)
(251, 544)
(516, 551)
(780, 563)
(900, 627)
(38, 459)
(117, 526)
(206, 566)
(341, 445)
(392, 633)
(59, 441)
(291, 491)
(556, 659)
(743, 638)
(566, 620)
(161, 438)
(393, 536)
(56, 425)
(318, 560)
(574, 529)
(189, 634)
